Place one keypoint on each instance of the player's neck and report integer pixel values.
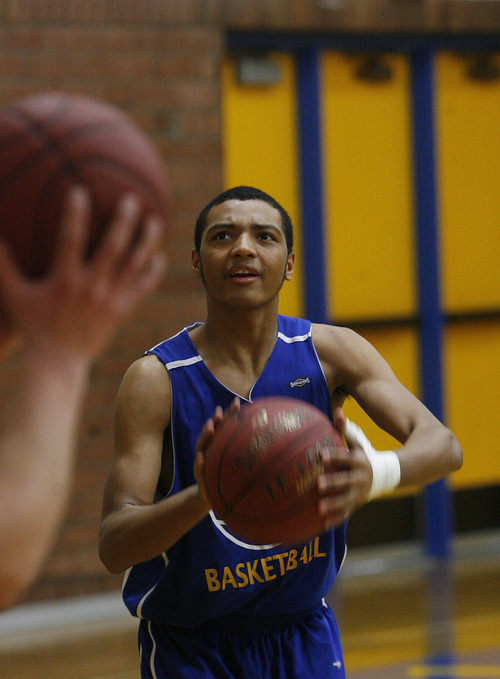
(250, 336)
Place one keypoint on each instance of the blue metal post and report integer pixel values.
(438, 526)
(311, 180)
(438, 504)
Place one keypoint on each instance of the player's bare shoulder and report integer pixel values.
(145, 391)
(334, 342)
(342, 352)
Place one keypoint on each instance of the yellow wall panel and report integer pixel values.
(260, 149)
(468, 120)
(368, 188)
(473, 388)
(400, 348)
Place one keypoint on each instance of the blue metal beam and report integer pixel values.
(311, 180)
(357, 42)
(438, 501)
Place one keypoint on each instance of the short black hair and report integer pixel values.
(244, 193)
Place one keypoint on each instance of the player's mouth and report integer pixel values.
(243, 274)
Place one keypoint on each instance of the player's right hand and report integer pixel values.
(203, 440)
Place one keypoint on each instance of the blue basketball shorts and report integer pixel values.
(302, 646)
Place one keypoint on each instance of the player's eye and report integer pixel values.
(220, 235)
(266, 236)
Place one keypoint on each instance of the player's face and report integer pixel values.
(243, 257)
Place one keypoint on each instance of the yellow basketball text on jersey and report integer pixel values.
(246, 574)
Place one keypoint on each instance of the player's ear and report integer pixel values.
(290, 264)
(196, 263)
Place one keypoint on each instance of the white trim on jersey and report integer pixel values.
(220, 525)
(296, 338)
(138, 610)
(153, 652)
(183, 362)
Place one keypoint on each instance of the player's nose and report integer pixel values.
(244, 245)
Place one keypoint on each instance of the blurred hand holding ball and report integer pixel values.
(51, 141)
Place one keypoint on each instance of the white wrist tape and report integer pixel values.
(385, 463)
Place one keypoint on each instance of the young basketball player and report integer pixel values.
(64, 321)
(210, 605)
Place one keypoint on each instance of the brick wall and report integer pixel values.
(159, 60)
(166, 76)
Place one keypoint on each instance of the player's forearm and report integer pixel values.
(36, 460)
(40, 419)
(430, 453)
(136, 533)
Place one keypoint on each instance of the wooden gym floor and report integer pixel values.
(400, 617)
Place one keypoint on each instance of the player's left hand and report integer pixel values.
(346, 483)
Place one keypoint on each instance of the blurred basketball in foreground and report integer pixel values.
(51, 141)
(262, 466)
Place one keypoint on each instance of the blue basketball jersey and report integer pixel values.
(210, 572)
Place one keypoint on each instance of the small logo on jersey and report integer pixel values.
(299, 382)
